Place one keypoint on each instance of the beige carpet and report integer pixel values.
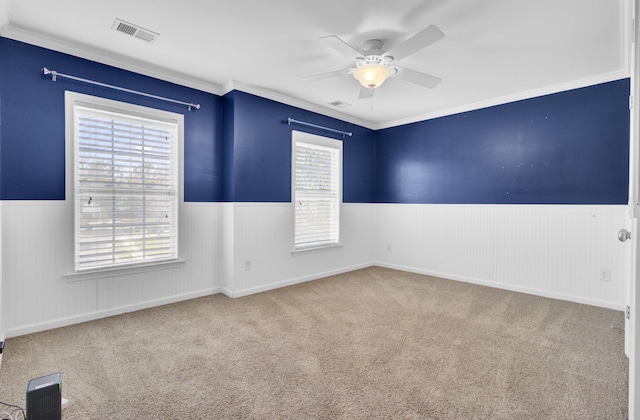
(374, 343)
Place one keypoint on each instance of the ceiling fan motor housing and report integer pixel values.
(372, 47)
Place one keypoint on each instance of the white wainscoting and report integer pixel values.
(38, 295)
(2, 328)
(554, 251)
(549, 250)
(263, 236)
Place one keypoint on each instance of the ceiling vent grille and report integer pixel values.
(340, 104)
(134, 31)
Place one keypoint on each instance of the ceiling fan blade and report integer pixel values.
(327, 75)
(341, 46)
(418, 78)
(422, 39)
(365, 93)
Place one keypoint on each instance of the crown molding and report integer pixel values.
(125, 63)
(547, 90)
(105, 57)
(108, 58)
(288, 100)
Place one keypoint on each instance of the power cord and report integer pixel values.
(17, 412)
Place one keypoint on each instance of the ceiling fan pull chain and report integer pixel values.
(371, 97)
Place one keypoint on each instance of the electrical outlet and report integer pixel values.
(247, 265)
(605, 274)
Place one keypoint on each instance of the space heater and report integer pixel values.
(44, 396)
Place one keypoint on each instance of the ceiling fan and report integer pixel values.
(373, 65)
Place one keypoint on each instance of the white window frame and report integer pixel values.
(325, 142)
(73, 100)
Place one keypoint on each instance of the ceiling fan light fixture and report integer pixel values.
(372, 76)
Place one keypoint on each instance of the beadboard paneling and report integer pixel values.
(36, 255)
(554, 251)
(263, 235)
(2, 328)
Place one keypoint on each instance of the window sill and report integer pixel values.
(315, 249)
(122, 271)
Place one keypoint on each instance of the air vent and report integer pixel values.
(339, 104)
(134, 30)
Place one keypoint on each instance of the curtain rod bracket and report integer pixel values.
(54, 76)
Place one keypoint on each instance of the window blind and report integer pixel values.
(126, 189)
(317, 194)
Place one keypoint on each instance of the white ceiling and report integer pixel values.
(493, 51)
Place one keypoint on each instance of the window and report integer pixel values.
(125, 178)
(317, 190)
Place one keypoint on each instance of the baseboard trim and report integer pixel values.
(258, 289)
(91, 316)
(62, 322)
(496, 285)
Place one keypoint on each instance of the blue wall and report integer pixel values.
(228, 133)
(32, 132)
(260, 146)
(566, 148)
